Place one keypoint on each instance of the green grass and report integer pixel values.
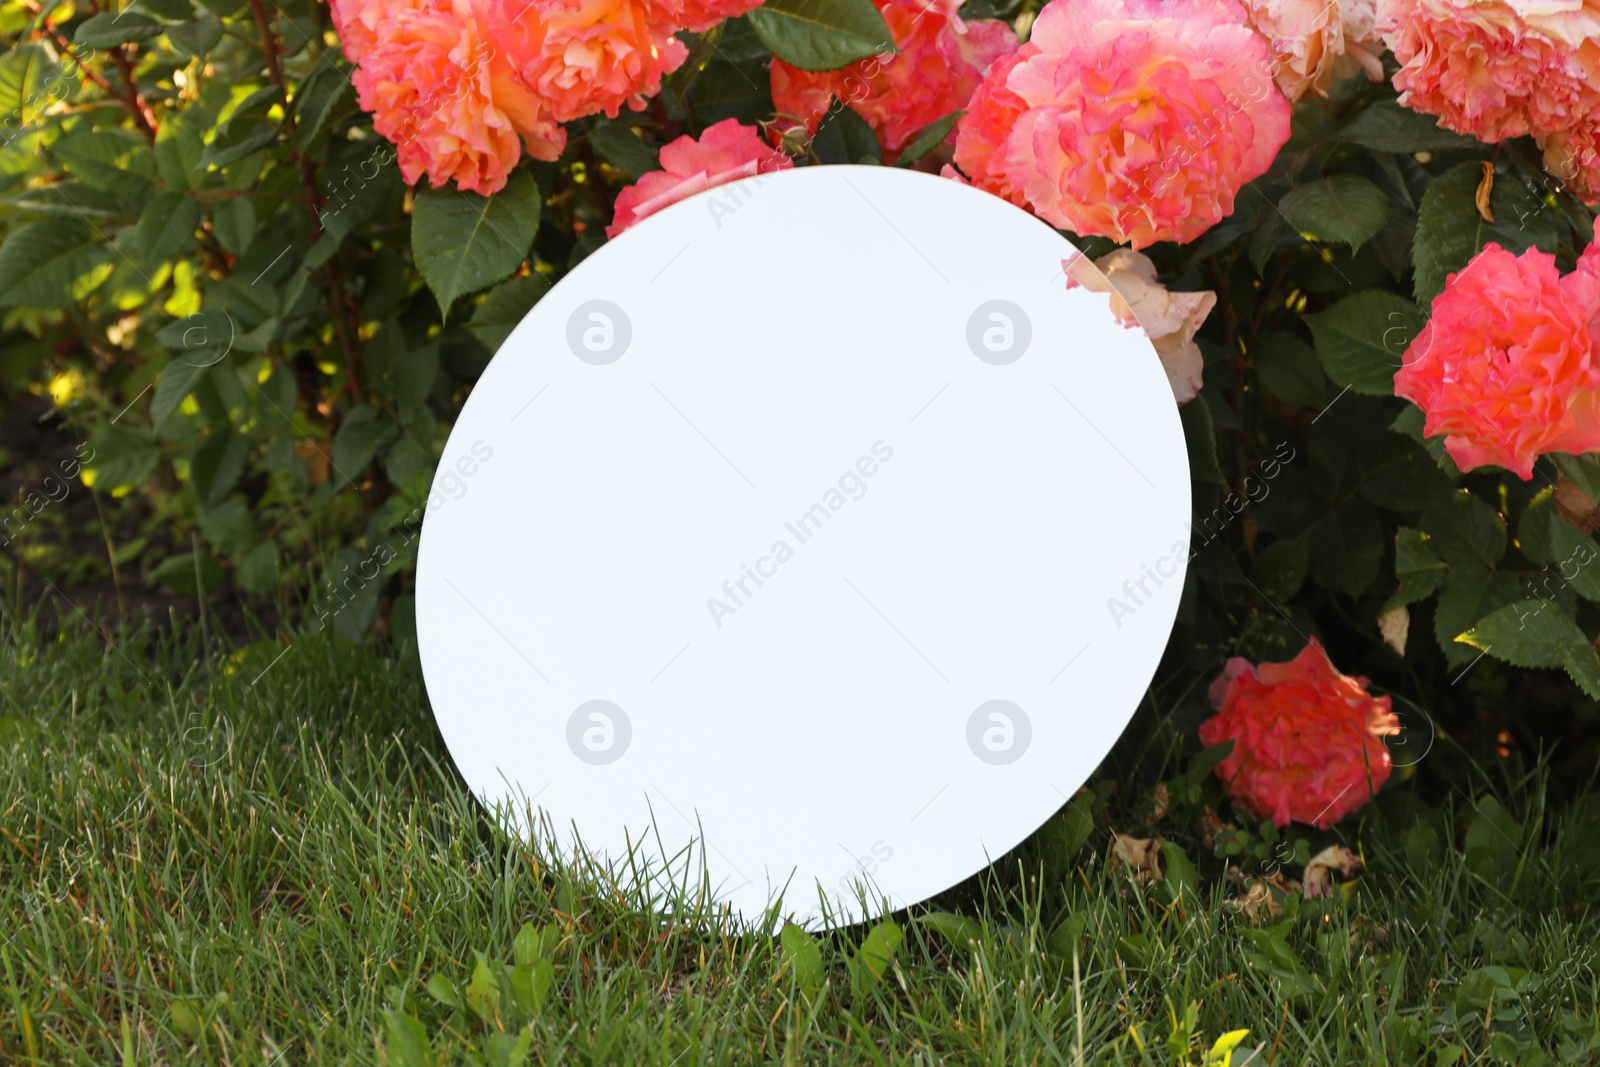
(209, 859)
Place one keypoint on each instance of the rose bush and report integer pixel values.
(255, 256)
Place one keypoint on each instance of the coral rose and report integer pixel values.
(1316, 42)
(1508, 367)
(1305, 738)
(725, 152)
(697, 16)
(582, 57)
(1496, 69)
(1130, 119)
(437, 87)
(1139, 300)
(941, 60)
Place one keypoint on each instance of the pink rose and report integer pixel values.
(438, 87)
(582, 57)
(1136, 120)
(697, 16)
(1507, 368)
(1139, 300)
(1305, 738)
(1496, 69)
(724, 153)
(940, 62)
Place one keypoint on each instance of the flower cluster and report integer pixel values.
(462, 87)
(1306, 739)
(1497, 69)
(1317, 42)
(1137, 120)
(1508, 366)
(939, 63)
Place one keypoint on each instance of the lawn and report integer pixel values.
(262, 855)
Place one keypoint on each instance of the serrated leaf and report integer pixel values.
(931, 137)
(1465, 531)
(196, 37)
(1345, 208)
(1280, 568)
(318, 98)
(1420, 570)
(1289, 370)
(167, 221)
(216, 464)
(234, 223)
(821, 34)
(1584, 471)
(1528, 633)
(1468, 596)
(621, 147)
(802, 957)
(106, 159)
(178, 379)
(1360, 340)
(109, 29)
(506, 305)
(1450, 231)
(24, 70)
(1571, 557)
(51, 264)
(463, 242)
(1581, 665)
(363, 431)
(845, 137)
(1388, 127)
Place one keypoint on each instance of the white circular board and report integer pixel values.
(779, 541)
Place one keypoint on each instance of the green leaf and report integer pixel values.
(166, 223)
(362, 433)
(234, 223)
(258, 570)
(1388, 127)
(51, 264)
(188, 573)
(729, 91)
(621, 147)
(1493, 840)
(533, 943)
(25, 71)
(1347, 548)
(1361, 338)
(178, 379)
(1467, 597)
(106, 159)
(229, 527)
(1181, 873)
(931, 137)
(179, 150)
(123, 456)
(1579, 659)
(1465, 531)
(1450, 231)
(530, 983)
(324, 93)
(109, 29)
(801, 956)
(483, 990)
(1345, 208)
(871, 961)
(845, 137)
(821, 34)
(959, 930)
(402, 374)
(407, 1041)
(1200, 437)
(1571, 557)
(462, 241)
(1289, 370)
(1280, 568)
(215, 465)
(1582, 470)
(1528, 633)
(197, 37)
(506, 305)
(1417, 566)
